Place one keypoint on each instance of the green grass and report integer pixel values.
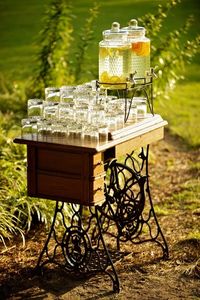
(20, 23)
(195, 234)
(181, 111)
(187, 199)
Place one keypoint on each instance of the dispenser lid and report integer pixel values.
(115, 33)
(133, 29)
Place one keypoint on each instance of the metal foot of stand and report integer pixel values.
(75, 249)
(129, 205)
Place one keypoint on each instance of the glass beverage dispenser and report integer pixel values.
(139, 62)
(114, 52)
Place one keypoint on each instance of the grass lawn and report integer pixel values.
(182, 108)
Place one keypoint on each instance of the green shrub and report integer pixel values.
(18, 211)
(12, 99)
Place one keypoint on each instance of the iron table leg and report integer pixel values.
(129, 204)
(75, 250)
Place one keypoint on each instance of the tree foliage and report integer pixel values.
(86, 36)
(169, 53)
(53, 61)
(55, 38)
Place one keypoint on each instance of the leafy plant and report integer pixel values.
(12, 97)
(54, 65)
(18, 211)
(85, 38)
(169, 53)
(8, 223)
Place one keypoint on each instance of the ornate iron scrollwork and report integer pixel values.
(76, 250)
(126, 189)
(128, 203)
(127, 214)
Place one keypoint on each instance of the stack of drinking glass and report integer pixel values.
(80, 112)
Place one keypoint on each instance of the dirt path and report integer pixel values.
(142, 274)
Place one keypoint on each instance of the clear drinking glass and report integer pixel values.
(34, 108)
(101, 96)
(41, 127)
(44, 127)
(59, 129)
(103, 132)
(67, 99)
(112, 106)
(52, 94)
(66, 112)
(120, 104)
(79, 131)
(50, 110)
(67, 90)
(111, 120)
(91, 133)
(28, 126)
(72, 128)
(131, 111)
(82, 114)
(83, 96)
(141, 104)
(66, 95)
(97, 114)
(120, 119)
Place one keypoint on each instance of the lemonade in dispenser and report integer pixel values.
(114, 51)
(139, 63)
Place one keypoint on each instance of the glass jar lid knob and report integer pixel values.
(115, 27)
(133, 23)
